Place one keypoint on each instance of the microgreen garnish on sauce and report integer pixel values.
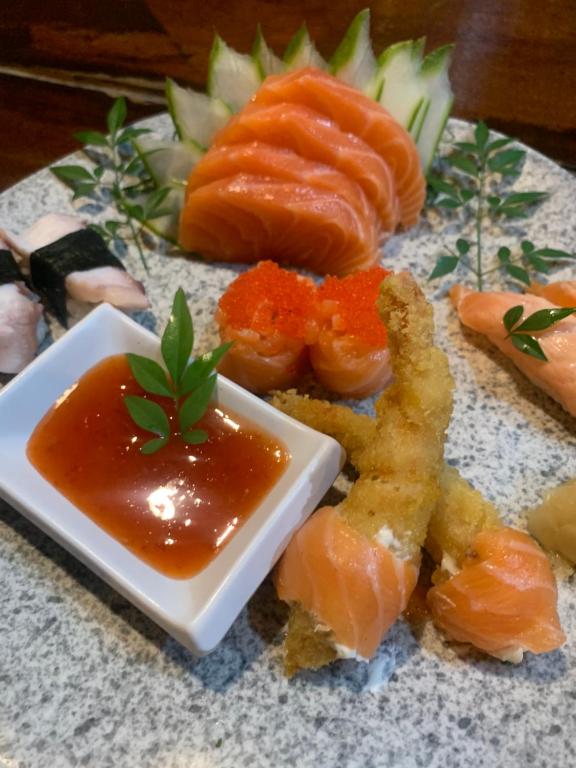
(476, 188)
(519, 333)
(189, 384)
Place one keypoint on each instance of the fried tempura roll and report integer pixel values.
(494, 585)
(349, 572)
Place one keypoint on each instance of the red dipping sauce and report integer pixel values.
(175, 509)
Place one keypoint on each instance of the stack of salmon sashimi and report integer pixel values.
(311, 173)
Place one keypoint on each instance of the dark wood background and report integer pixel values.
(60, 61)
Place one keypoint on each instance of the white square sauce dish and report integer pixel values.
(199, 610)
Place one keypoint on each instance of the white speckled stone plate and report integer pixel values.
(87, 680)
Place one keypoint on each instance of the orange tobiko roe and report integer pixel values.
(271, 300)
(348, 306)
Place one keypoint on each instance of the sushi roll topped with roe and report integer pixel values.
(350, 355)
(271, 316)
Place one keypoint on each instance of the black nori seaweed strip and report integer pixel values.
(9, 270)
(76, 252)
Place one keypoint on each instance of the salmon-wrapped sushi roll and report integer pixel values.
(494, 586)
(271, 316)
(349, 572)
(351, 356)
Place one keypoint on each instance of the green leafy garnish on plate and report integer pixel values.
(189, 384)
(519, 332)
(475, 188)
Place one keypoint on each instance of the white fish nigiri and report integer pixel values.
(19, 316)
(68, 261)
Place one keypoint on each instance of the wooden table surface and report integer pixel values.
(514, 63)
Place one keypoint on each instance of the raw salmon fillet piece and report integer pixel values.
(483, 312)
(355, 113)
(317, 138)
(503, 600)
(562, 292)
(248, 218)
(260, 159)
(348, 582)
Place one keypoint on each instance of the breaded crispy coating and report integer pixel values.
(399, 456)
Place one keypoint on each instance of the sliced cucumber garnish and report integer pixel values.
(168, 162)
(196, 116)
(354, 62)
(402, 92)
(434, 75)
(232, 77)
(166, 226)
(301, 52)
(264, 57)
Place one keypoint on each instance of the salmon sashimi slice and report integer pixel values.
(355, 113)
(271, 316)
(350, 583)
(503, 600)
(561, 293)
(317, 138)
(350, 356)
(247, 218)
(483, 312)
(260, 159)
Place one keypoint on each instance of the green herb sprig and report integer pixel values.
(189, 384)
(119, 174)
(519, 332)
(476, 187)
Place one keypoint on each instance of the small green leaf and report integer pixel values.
(131, 133)
(202, 367)
(467, 194)
(72, 173)
(194, 407)
(178, 338)
(527, 246)
(498, 144)
(504, 254)
(462, 246)
(148, 415)
(528, 345)
(466, 146)
(443, 186)
(154, 201)
(545, 318)
(506, 161)
(95, 138)
(447, 202)
(113, 227)
(512, 316)
(444, 266)
(518, 273)
(494, 201)
(481, 134)
(83, 190)
(151, 377)
(554, 254)
(463, 163)
(133, 167)
(195, 436)
(154, 445)
(116, 115)
(525, 198)
(540, 265)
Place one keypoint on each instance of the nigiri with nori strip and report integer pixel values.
(19, 316)
(78, 265)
